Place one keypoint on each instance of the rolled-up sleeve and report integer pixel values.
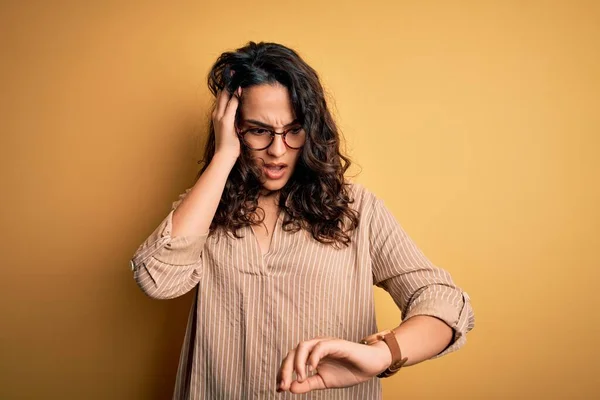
(166, 266)
(416, 285)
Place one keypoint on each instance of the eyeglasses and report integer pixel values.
(262, 138)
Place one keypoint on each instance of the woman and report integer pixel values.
(283, 252)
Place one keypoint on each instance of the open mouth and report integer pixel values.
(274, 171)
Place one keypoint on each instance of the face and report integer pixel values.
(270, 105)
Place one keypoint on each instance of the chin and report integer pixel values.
(274, 185)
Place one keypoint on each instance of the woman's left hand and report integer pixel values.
(338, 363)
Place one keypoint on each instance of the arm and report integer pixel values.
(420, 337)
(437, 314)
(197, 210)
(168, 263)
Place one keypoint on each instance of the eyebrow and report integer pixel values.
(253, 121)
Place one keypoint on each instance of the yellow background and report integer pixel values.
(476, 121)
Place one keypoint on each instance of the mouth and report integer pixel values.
(274, 170)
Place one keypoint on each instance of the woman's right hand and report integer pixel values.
(227, 142)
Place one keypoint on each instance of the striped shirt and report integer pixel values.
(250, 309)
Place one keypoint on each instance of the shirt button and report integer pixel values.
(132, 265)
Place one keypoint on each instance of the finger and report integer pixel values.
(222, 100)
(278, 379)
(287, 367)
(280, 371)
(231, 108)
(314, 382)
(302, 351)
(214, 111)
(320, 351)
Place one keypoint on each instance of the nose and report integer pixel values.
(277, 148)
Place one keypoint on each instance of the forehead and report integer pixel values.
(267, 103)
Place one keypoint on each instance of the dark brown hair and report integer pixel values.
(316, 197)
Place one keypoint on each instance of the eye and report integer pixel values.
(296, 130)
(258, 131)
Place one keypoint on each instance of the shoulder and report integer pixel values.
(363, 199)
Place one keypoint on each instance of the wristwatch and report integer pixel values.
(389, 338)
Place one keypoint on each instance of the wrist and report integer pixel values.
(228, 159)
(388, 337)
(383, 354)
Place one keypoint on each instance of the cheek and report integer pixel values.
(258, 157)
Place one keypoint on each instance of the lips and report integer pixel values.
(275, 165)
(274, 170)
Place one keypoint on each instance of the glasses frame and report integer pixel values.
(272, 133)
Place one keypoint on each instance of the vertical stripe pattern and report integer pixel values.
(249, 310)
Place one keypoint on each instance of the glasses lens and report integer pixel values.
(260, 138)
(295, 137)
(257, 138)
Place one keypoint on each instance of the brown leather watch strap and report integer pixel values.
(389, 338)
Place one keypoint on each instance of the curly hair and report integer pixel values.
(317, 197)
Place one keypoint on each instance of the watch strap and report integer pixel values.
(389, 338)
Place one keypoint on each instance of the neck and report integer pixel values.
(268, 197)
